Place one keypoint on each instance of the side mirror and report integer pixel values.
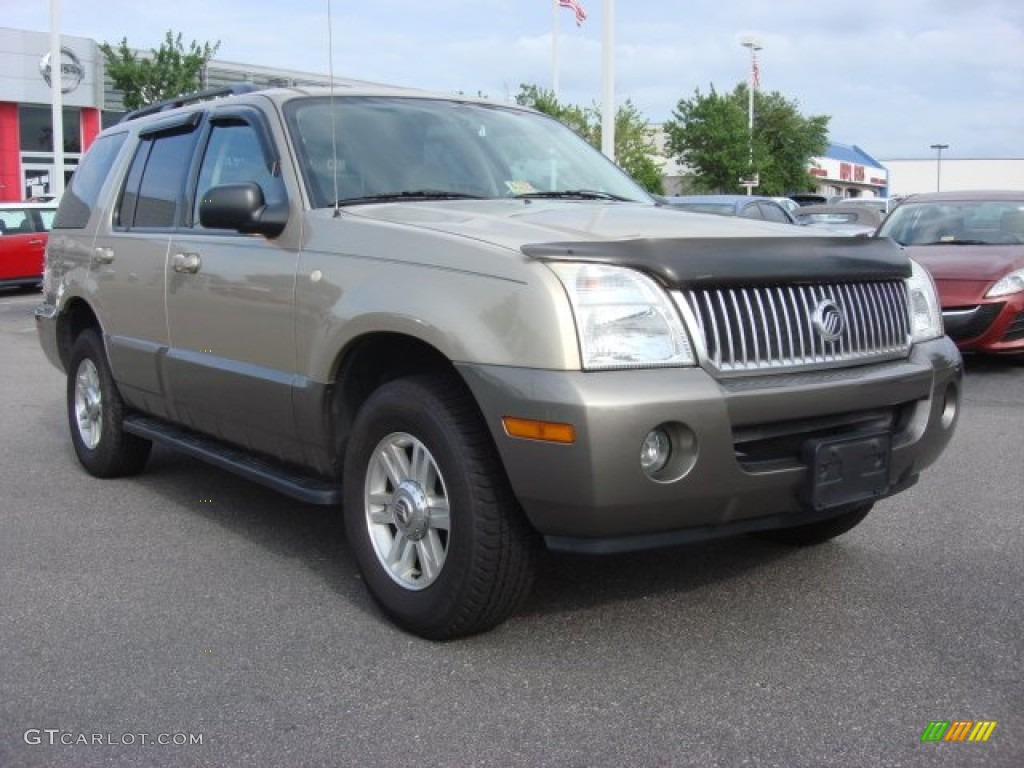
(242, 207)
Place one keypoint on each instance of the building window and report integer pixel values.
(36, 129)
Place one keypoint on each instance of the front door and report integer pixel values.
(231, 365)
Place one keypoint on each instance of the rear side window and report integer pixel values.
(81, 196)
(154, 186)
(15, 221)
(773, 213)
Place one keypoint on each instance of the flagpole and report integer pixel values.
(57, 103)
(608, 81)
(554, 48)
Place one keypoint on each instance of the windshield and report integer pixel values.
(406, 149)
(976, 222)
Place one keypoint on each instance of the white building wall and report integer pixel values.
(908, 177)
(21, 81)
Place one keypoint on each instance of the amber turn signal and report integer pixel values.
(531, 429)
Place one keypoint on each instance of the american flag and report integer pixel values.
(575, 7)
(755, 74)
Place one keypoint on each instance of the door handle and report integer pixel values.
(35, 242)
(103, 255)
(187, 263)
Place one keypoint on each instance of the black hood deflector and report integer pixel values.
(681, 262)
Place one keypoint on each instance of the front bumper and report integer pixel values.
(741, 470)
(977, 324)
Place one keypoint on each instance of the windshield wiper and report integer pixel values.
(407, 194)
(578, 194)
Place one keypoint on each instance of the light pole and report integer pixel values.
(752, 84)
(938, 165)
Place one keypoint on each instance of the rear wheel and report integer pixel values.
(817, 533)
(441, 541)
(96, 413)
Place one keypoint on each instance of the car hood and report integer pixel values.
(515, 223)
(968, 262)
(678, 246)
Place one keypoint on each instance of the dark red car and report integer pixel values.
(972, 243)
(23, 235)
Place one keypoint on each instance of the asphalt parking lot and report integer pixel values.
(189, 618)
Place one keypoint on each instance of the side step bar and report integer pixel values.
(289, 481)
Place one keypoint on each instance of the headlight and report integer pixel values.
(1011, 283)
(925, 313)
(623, 318)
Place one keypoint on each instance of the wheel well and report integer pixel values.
(375, 360)
(76, 317)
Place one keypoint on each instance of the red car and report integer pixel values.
(972, 243)
(23, 234)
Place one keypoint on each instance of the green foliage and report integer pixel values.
(710, 135)
(544, 101)
(169, 71)
(634, 151)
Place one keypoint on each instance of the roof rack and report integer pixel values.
(235, 89)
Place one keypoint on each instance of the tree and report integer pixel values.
(634, 151)
(710, 135)
(544, 101)
(169, 71)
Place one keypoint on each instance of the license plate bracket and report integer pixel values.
(847, 470)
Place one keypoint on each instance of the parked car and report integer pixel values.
(744, 206)
(973, 245)
(464, 328)
(840, 219)
(23, 234)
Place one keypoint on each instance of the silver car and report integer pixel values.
(474, 336)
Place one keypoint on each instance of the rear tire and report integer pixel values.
(820, 532)
(96, 414)
(440, 540)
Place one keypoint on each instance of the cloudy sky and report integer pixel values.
(894, 75)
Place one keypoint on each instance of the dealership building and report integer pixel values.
(90, 103)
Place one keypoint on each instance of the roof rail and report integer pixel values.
(234, 89)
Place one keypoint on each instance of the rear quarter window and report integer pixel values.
(82, 194)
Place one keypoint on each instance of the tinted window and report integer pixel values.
(772, 212)
(751, 211)
(235, 154)
(155, 184)
(81, 196)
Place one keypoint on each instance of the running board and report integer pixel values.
(291, 482)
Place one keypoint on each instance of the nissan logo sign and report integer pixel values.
(829, 320)
(71, 70)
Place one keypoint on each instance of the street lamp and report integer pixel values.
(938, 165)
(754, 44)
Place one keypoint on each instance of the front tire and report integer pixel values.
(429, 515)
(96, 414)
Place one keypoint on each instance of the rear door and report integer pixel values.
(22, 244)
(129, 258)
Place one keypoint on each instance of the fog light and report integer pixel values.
(655, 452)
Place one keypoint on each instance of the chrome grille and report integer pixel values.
(787, 326)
